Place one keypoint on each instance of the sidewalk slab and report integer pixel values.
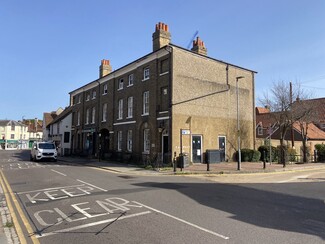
(216, 168)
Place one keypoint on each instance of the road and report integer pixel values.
(59, 203)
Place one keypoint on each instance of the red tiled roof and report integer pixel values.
(261, 110)
(313, 132)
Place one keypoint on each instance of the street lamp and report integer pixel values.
(238, 127)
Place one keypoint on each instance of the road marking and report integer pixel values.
(58, 172)
(91, 224)
(184, 221)
(49, 189)
(92, 185)
(22, 239)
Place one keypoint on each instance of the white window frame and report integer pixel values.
(104, 114)
(93, 115)
(120, 109)
(119, 140)
(146, 73)
(146, 141)
(105, 89)
(87, 116)
(87, 96)
(130, 79)
(79, 99)
(120, 84)
(129, 140)
(145, 103)
(94, 95)
(130, 107)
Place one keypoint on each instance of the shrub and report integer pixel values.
(320, 152)
(292, 154)
(249, 155)
(274, 154)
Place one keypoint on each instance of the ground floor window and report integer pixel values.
(119, 140)
(146, 141)
(129, 141)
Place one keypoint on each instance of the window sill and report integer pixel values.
(144, 114)
(145, 79)
(165, 73)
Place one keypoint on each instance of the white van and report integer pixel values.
(43, 150)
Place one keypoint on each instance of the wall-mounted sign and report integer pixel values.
(186, 132)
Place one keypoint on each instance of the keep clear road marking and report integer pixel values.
(184, 221)
(58, 172)
(92, 185)
(92, 224)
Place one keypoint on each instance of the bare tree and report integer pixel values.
(308, 114)
(280, 104)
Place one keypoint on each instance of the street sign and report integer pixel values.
(186, 132)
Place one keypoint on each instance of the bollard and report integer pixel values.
(264, 159)
(174, 161)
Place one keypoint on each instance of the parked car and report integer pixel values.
(43, 151)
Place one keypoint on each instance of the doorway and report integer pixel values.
(196, 148)
(222, 148)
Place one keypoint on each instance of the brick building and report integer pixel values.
(171, 100)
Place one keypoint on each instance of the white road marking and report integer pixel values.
(91, 224)
(294, 178)
(92, 185)
(49, 189)
(184, 221)
(58, 172)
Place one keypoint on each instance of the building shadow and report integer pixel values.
(252, 204)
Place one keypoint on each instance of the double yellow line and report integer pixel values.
(12, 200)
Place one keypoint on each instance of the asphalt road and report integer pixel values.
(58, 203)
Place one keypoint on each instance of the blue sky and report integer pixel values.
(49, 48)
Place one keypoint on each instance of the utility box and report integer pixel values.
(212, 156)
(183, 160)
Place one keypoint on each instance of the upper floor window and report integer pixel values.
(130, 107)
(78, 118)
(74, 100)
(131, 80)
(164, 66)
(146, 73)
(79, 98)
(105, 89)
(322, 126)
(104, 112)
(93, 114)
(87, 96)
(87, 116)
(145, 110)
(12, 136)
(120, 84)
(12, 126)
(94, 94)
(120, 109)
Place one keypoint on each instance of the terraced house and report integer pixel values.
(170, 101)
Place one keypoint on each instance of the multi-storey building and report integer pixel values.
(170, 101)
(14, 135)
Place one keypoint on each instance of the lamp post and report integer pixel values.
(238, 126)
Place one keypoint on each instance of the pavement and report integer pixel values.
(214, 168)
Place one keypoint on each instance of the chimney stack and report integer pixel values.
(105, 68)
(161, 37)
(199, 47)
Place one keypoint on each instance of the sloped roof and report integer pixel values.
(313, 132)
(261, 110)
(7, 122)
(61, 116)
